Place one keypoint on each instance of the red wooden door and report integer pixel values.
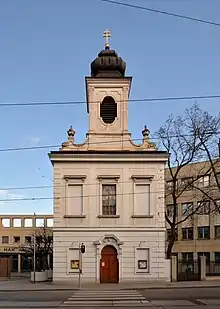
(109, 265)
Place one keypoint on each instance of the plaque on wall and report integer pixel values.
(142, 264)
(74, 264)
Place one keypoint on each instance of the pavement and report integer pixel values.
(24, 284)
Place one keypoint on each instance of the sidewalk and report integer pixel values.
(24, 284)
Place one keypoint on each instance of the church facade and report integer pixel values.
(109, 191)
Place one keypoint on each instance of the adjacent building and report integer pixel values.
(15, 232)
(199, 235)
(109, 191)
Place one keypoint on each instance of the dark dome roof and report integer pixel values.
(108, 64)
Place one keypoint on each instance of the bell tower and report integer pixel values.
(107, 91)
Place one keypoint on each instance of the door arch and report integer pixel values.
(109, 270)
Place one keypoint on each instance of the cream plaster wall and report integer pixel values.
(131, 232)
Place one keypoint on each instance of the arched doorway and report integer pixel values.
(109, 271)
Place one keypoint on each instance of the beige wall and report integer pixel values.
(213, 219)
(21, 230)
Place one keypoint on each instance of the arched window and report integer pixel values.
(108, 110)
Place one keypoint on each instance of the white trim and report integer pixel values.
(139, 248)
(108, 229)
(108, 239)
(107, 180)
(76, 271)
(150, 156)
(72, 184)
(74, 177)
(142, 180)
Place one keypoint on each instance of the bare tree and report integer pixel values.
(188, 139)
(202, 123)
(43, 247)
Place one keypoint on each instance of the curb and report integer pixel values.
(140, 289)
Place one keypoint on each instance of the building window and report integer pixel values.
(142, 199)
(187, 233)
(16, 239)
(109, 199)
(39, 239)
(187, 257)
(204, 232)
(217, 257)
(204, 181)
(39, 222)
(6, 222)
(206, 254)
(217, 231)
(28, 239)
(170, 185)
(17, 222)
(5, 239)
(203, 208)
(74, 203)
(49, 222)
(187, 209)
(218, 176)
(186, 183)
(28, 222)
(169, 234)
(108, 110)
(170, 210)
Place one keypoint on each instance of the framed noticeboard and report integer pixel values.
(142, 264)
(74, 264)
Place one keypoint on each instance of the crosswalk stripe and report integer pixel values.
(109, 298)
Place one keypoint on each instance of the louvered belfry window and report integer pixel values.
(108, 110)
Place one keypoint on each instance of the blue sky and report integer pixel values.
(46, 48)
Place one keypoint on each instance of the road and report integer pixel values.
(196, 298)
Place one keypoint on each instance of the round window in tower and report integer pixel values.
(108, 110)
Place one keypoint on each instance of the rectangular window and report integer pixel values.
(206, 254)
(28, 239)
(203, 208)
(109, 199)
(17, 222)
(49, 222)
(5, 239)
(187, 233)
(218, 177)
(186, 183)
(187, 256)
(204, 181)
(170, 185)
(28, 222)
(16, 239)
(74, 203)
(142, 199)
(204, 232)
(6, 222)
(187, 209)
(217, 257)
(217, 231)
(170, 211)
(39, 222)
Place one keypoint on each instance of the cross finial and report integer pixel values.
(107, 35)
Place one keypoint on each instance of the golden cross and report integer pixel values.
(107, 35)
